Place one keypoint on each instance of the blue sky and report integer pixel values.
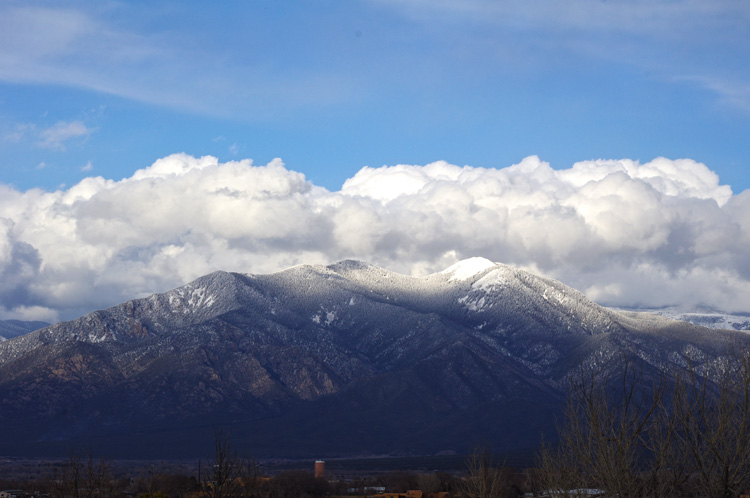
(603, 143)
(333, 86)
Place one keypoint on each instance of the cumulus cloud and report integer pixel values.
(659, 233)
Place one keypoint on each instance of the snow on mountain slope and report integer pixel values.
(467, 268)
(495, 299)
(703, 317)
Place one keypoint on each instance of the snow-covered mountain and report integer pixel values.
(703, 316)
(15, 328)
(314, 360)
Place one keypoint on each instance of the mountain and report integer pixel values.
(15, 328)
(704, 317)
(346, 359)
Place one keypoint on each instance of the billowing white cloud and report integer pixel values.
(663, 232)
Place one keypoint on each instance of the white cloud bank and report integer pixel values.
(664, 232)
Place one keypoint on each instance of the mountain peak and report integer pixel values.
(467, 268)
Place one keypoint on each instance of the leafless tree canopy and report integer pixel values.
(79, 478)
(230, 475)
(671, 436)
(483, 479)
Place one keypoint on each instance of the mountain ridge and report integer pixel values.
(698, 315)
(10, 329)
(357, 357)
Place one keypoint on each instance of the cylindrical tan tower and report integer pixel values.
(320, 468)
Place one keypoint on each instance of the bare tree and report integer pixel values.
(251, 478)
(604, 439)
(652, 440)
(607, 437)
(69, 478)
(714, 424)
(89, 479)
(226, 467)
(483, 480)
(429, 483)
(666, 467)
(556, 472)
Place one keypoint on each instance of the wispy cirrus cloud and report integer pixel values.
(98, 49)
(107, 49)
(627, 233)
(659, 18)
(19, 132)
(691, 41)
(732, 93)
(44, 44)
(56, 136)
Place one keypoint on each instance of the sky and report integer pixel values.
(602, 143)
